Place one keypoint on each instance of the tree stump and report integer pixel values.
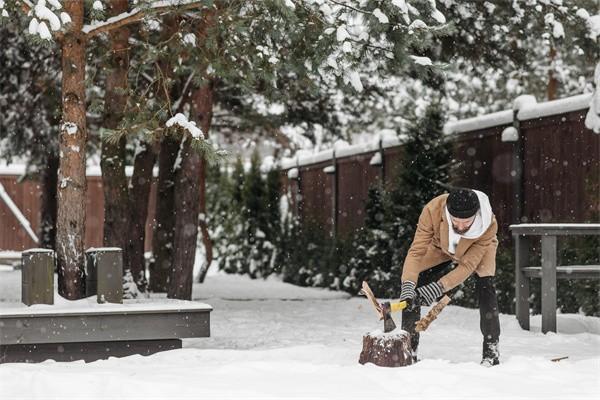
(387, 349)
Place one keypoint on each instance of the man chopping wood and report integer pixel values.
(455, 237)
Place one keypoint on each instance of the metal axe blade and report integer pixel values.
(388, 322)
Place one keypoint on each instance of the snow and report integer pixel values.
(330, 169)
(190, 38)
(70, 127)
(98, 5)
(43, 12)
(422, 60)
(190, 126)
(550, 226)
(91, 170)
(376, 159)
(292, 173)
(481, 122)
(355, 81)
(348, 151)
(377, 13)
(510, 134)
(342, 34)
(568, 104)
(272, 340)
(592, 119)
(528, 109)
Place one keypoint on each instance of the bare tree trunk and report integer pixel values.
(72, 183)
(187, 200)
(114, 180)
(552, 89)
(164, 229)
(48, 210)
(141, 183)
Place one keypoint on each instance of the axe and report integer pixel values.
(384, 310)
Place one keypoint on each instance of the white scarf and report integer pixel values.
(483, 220)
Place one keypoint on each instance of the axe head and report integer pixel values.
(388, 322)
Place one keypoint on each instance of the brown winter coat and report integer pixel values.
(430, 248)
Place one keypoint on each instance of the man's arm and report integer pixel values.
(471, 259)
(418, 248)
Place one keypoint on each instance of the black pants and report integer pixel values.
(489, 321)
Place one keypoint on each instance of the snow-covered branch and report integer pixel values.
(138, 14)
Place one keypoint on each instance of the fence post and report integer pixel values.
(518, 153)
(37, 276)
(104, 274)
(382, 155)
(334, 199)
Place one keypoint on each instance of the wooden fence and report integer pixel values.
(26, 195)
(546, 169)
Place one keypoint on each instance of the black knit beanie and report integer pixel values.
(462, 203)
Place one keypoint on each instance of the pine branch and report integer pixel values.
(137, 14)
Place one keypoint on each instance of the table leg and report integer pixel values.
(521, 281)
(548, 283)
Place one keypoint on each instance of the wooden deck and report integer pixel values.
(33, 334)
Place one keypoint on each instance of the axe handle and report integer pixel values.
(424, 322)
(366, 290)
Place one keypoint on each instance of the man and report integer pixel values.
(456, 229)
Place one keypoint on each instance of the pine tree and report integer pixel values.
(424, 174)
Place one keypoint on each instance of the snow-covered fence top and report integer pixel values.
(91, 170)
(524, 108)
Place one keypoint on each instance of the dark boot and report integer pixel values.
(489, 321)
(409, 318)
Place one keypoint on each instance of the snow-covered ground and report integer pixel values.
(272, 340)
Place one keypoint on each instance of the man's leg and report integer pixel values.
(410, 317)
(489, 320)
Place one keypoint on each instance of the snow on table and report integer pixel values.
(269, 347)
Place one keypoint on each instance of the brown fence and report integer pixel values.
(26, 196)
(557, 155)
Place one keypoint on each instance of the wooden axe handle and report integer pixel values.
(424, 322)
(366, 290)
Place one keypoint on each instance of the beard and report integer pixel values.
(460, 231)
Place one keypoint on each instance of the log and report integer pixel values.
(387, 349)
(424, 322)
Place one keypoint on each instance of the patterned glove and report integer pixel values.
(407, 291)
(427, 294)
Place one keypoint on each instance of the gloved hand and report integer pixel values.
(428, 294)
(407, 291)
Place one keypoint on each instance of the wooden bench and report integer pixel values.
(549, 271)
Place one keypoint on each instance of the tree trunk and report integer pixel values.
(48, 210)
(114, 180)
(387, 349)
(162, 240)
(187, 200)
(72, 185)
(164, 228)
(552, 89)
(141, 183)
